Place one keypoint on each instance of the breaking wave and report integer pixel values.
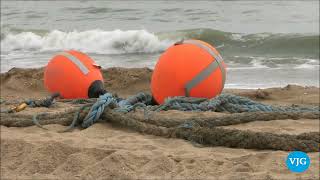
(92, 41)
(142, 41)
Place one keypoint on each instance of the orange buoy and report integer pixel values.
(188, 68)
(74, 75)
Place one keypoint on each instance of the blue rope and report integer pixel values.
(224, 102)
(139, 100)
(97, 109)
(47, 102)
(122, 105)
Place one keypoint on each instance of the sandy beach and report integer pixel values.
(107, 151)
(265, 51)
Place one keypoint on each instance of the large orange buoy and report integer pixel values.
(74, 75)
(188, 68)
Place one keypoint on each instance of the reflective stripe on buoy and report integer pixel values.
(200, 77)
(208, 70)
(75, 61)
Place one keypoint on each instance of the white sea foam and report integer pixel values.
(307, 66)
(92, 41)
(237, 37)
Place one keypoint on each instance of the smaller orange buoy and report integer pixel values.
(74, 75)
(188, 68)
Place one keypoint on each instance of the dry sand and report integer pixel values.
(106, 151)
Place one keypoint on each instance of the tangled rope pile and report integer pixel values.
(226, 103)
(205, 131)
(108, 101)
(222, 103)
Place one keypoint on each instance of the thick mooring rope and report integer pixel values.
(222, 103)
(216, 136)
(205, 131)
(226, 103)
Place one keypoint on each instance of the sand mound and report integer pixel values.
(26, 83)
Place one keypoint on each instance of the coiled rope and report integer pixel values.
(222, 103)
(205, 131)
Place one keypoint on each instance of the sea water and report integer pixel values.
(264, 43)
